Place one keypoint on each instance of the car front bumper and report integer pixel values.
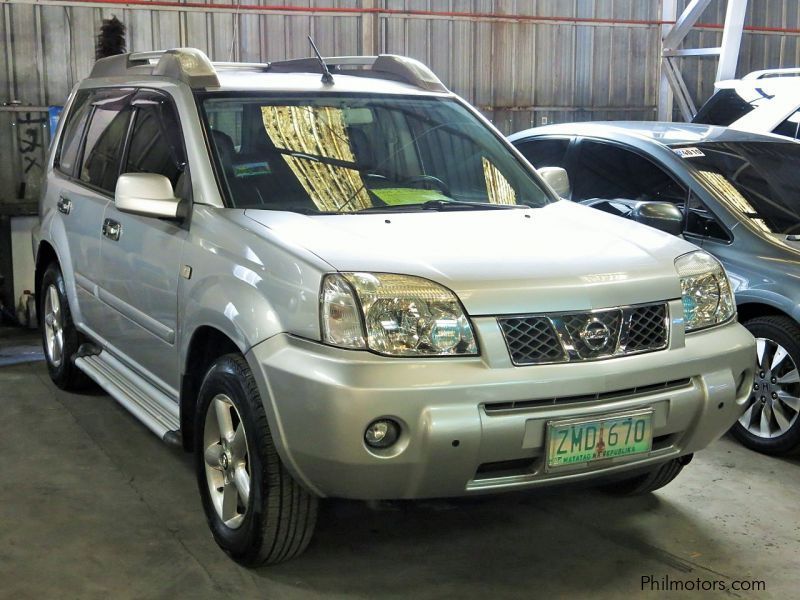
(457, 440)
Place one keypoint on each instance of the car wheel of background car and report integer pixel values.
(771, 423)
(59, 336)
(648, 482)
(256, 511)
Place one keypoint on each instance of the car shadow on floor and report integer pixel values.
(503, 543)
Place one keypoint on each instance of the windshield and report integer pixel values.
(354, 153)
(758, 180)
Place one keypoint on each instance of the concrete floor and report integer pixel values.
(92, 505)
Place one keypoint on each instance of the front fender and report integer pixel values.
(769, 298)
(233, 307)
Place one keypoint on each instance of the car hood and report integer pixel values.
(560, 257)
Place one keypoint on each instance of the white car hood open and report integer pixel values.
(557, 258)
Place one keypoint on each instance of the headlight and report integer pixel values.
(396, 315)
(706, 291)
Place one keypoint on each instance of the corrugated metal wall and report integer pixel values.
(519, 72)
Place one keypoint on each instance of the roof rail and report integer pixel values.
(390, 66)
(240, 66)
(194, 68)
(770, 73)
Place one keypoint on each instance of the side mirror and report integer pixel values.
(661, 215)
(146, 194)
(556, 178)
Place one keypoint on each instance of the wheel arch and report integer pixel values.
(750, 310)
(45, 255)
(207, 343)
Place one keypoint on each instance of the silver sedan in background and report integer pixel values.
(733, 193)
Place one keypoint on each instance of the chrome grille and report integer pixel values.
(647, 328)
(590, 335)
(532, 340)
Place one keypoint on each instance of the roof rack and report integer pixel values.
(383, 66)
(189, 65)
(193, 67)
(770, 73)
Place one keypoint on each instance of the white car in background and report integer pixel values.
(760, 102)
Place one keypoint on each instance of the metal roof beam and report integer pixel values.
(672, 86)
(684, 23)
(693, 52)
(731, 39)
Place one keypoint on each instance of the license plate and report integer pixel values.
(578, 441)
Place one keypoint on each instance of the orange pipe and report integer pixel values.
(200, 6)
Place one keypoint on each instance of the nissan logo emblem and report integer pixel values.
(595, 334)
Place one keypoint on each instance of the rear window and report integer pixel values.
(790, 127)
(73, 132)
(723, 108)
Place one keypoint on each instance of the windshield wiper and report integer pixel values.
(345, 164)
(441, 205)
(303, 210)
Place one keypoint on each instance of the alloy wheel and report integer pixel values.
(53, 326)
(227, 461)
(775, 400)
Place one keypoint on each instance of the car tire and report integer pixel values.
(265, 517)
(60, 338)
(771, 423)
(650, 481)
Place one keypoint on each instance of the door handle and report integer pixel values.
(64, 205)
(112, 229)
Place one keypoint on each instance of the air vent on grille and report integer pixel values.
(532, 340)
(591, 335)
(647, 329)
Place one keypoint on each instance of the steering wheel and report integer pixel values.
(373, 175)
(428, 179)
(791, 229)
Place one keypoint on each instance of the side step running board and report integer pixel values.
(156, 410)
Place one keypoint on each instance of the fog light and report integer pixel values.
(382, 433)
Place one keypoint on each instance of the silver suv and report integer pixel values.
(334, 278)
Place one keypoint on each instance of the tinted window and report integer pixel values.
(228, 122)
(73, 131)
(790, 127)
(349, 153)
(760, 181)
(701, 222)
(723, 108)
(608, 171)
(156, 145)
(104, 138)
(544, 153)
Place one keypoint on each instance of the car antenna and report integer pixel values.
(327, 78)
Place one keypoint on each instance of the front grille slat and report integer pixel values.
(589, 335)
(623, 394)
